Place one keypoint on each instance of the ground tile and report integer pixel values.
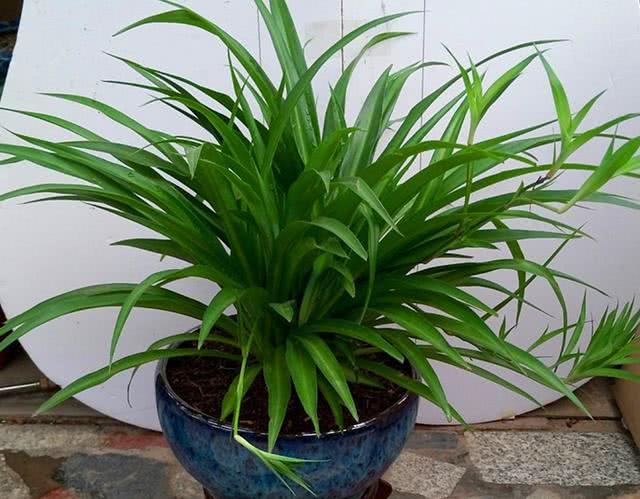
(184, 486)
(567, 459)
(11, 485)
(115, 476)
(446, 446)
(62, 493)
(37, 472)
(419, 476)
(630, 495)
(471, 486)
(433, 440)
(49, 439)
(403, 495)
(544, 494)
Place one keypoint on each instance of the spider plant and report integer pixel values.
(329, 246)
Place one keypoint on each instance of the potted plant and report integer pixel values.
(348, 271)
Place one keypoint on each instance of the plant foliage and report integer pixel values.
(329, 246)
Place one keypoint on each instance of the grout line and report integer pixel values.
(423, 74)
(259, 37)
(342, 32)
(424, 47)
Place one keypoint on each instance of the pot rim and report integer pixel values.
(161, 372)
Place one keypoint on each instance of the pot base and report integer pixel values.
(381, 490)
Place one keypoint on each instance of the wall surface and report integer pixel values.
(51, 248)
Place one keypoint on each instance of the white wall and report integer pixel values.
(51, 248)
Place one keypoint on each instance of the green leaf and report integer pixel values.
(278, 381)
(281, 466)
(359, 187)
(223, 300)
(313, 289)
(422, 366)
(164, 277)
(163, 247)
(334, 118)
(328, 155)
(330, 367)
(230, 398)
(518, 266)
(180, 339)
(193, 158)
(348, 329)
(348, 280)
(607, 170)
(94, 297)
(333, 401)
(305, 380)
(560, 100)
(400, 379)
(369, 125)
(341, 231)
(189, 17)
(374, 241)
(279, 125)
(305, 192)
(488, 375)
(518, 360)
(426, 283)
(151, 136)
(421, 328)
(577, 332)
(102, 375)
(582, 114)
(495, 91)
(285, 310)
(513, 243)
(612, 373)
(545, 375)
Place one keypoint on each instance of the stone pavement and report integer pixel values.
(119, 462)
(552, 453)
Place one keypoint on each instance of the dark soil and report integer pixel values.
(202, 382)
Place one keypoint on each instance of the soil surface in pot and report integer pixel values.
(202, 382)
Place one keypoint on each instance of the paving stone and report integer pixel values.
(404, 495)
(11, 485)
(631, 495)
(184, 486)
(544, 494)
(127, 440)
(36, 471)
(115, 476)
(471, 486)
(49, 439)
(62, 493)
(445, 446)
(567, 459)
(423, 477)
(434, 440)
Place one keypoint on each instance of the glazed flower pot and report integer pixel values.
(351, 461)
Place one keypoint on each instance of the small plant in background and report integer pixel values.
(339, 258)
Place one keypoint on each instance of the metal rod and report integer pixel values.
(42, 385)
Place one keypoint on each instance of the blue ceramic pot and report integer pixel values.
(354, 459)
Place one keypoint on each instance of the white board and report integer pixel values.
(51, 248)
